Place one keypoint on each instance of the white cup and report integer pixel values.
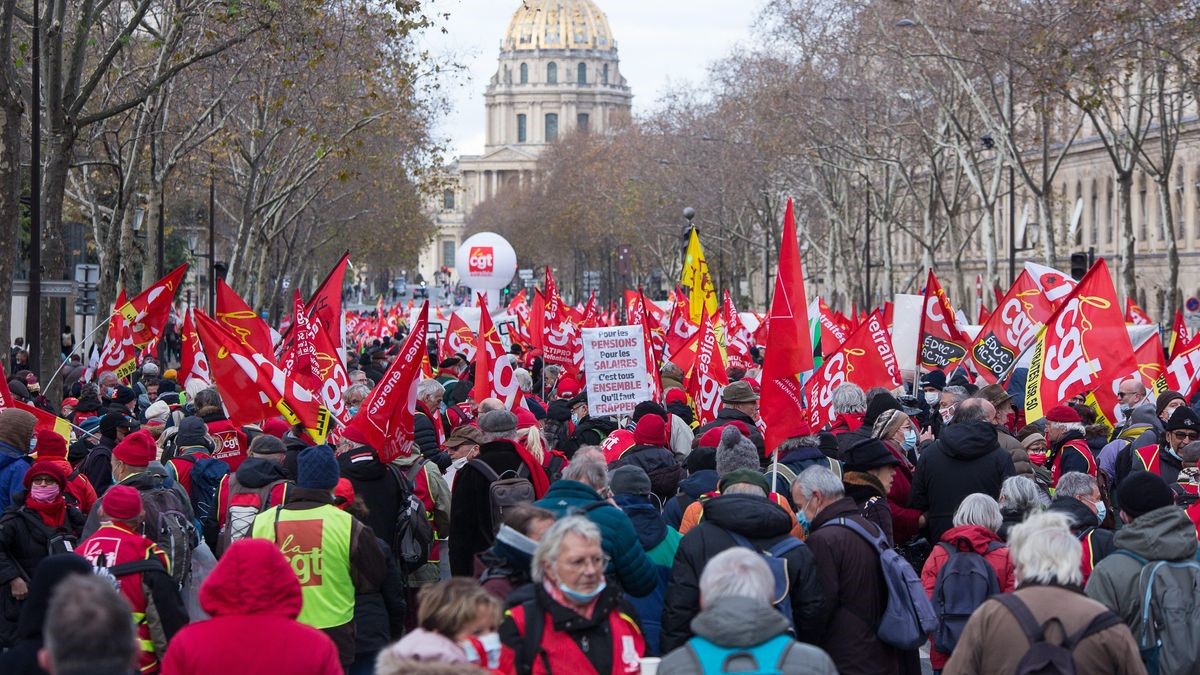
(650, 665)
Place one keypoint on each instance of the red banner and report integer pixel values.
(562, 343)
(737, 338)
(147, 314)
(118, 355)
(866, 358)
(494, 376)
(1151, 365)
(1136, 315)
(236, 316)
(833, 329)
(1181, 337)
(386, 416)
(458, 339)
(192, 361)
(942, 346)
(708, 374)
(313, 362)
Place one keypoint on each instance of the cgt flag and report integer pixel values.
(737, 338)
(147, 314)
(192, 361)
(1011, 329)
(696, 278)
(458, 339)
(1136, 315)
(789, 344)
(1083, 347)
(942, 344)
(118, 354)
(708, 374)
(386, 415)
(494, 376)
(866, 358)
(236, 316)
(313, 362)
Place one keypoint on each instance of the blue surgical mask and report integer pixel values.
(578, 597)
(574, 418)
(802, 518)
(1101, 511)
(353, 410)
(910, 440)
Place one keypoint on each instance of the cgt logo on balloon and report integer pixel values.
(481, 260)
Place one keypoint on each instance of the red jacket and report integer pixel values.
(979, 537)
(561, 646)
(254, 599)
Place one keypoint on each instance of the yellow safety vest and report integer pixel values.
(316, 543)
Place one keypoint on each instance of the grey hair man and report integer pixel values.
(737, 590)
(1077, 496)
(428, 427)
(88, 630)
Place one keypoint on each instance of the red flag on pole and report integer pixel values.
(313, 362)
(45, 420)
(737, 338)
(708, 375)
(147, 313)
(1010, 330)
(386, 415)
(118, 354)
(866, 358)
(1181, 338)
(942, 344)
(192, 361)
(236, 316)
(1136, 315)
(494, 376)
(789, 344)
(1150, 362)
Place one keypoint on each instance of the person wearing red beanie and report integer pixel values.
(51, 447)
(651, 454)
(1068, 449)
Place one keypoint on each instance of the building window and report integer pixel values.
(524, 73)
(552, 73)
(1179, 213)
(604, 75)
(448, 200)
(521, 133)
(582, 74)
(448, 250)
(551, 127)
(1144, 221)
(581, 121)
(1095, 230)
(1109, 218)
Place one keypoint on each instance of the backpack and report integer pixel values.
(1170, 635)
(965, 580)
(908, 618)
(413, 539)
(205, 478)
(166, 523)
(774, 557)
(505, 493)
(244, 506)
(768, 656)
(1047, 658)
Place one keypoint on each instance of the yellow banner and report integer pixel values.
(695, 276)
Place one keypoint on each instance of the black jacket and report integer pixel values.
(965, 460)
(1084, 524)
(379, 616)
(470, 506)
(24, 542)
(97, 466)
(683, 411)
(377, 485)
(589, 431)
(725, 416)
(762, 522)
(426, 438)
(690, 489)
(658, 463)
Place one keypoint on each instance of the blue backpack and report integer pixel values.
(775, 560)
(768, 656)
(205, 476)
(963, 583)
(908, 618)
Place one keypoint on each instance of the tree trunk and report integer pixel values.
(54, 181)
(11, 116)
(1167, 218)
(991, 276)
(1046, 218)
(151, 270)
(1125, 211)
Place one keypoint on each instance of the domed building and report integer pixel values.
(558, 72)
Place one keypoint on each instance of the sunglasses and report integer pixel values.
(1186, 435)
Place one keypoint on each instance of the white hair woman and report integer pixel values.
(573, 606)
(1019, 497)
(975, 531)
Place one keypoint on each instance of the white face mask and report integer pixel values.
(931, 397)
(491, 648)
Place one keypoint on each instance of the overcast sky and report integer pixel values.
(661, 43)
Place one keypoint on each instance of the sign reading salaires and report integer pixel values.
(614, 361)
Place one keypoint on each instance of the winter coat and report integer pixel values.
(658, 463)
(683, 411)
(993, 641)
(630, 565)
(154, 477)
(904, 518)
(690, 489)
(965, 460)
(975, 538)
(13, 465)
(724, 417)
(1162, 534)
(97, 466)
(425, 647)
(660, 544)
(430, 487)
(25, 541)
(1011, 516)
(853, 594)
(470, 506)
(797, 458)
(764, 524)
(1095, 541)
(377, 486)
(867, 491)
(231, 442)
(254, 473)
(1020, 456)
(379, 616)
(22, 657)
(426, 438)
(744, 622)
(251, 594)
(589, 431)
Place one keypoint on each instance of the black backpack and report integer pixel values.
(413, 539)
(964, 582)
(1044, 657)
(505, 492)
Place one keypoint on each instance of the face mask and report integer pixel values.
(574, 418)
(910, 440)
(802, 518)
(578, 597)
(931, 397)
(489, 643)
(1101, 511)
(32, 443)
(459, 463)
(353, 410)
(948, 414)
(44, 493)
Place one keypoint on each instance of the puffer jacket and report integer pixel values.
(13, 465)
(965, 460)
(1162, 534)
(630, 565)
(252, 591)
(764, 524)
(1013, 447)
(735, 622)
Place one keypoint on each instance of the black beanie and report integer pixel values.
(1142, 492)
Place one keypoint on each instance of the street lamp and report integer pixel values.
(688, 213)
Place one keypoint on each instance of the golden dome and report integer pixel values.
(558, 24)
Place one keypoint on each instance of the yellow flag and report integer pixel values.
(698, 281)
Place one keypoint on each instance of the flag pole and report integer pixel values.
(79, 344)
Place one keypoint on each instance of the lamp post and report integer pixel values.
(33, 306)
(688, 213)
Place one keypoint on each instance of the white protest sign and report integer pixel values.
(614, 360)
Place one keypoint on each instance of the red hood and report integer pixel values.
(252, 577)
(978, 535)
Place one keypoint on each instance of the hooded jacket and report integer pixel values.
(660, 543)
(867, 491)
(745, 622)
(1096, 542)
(1161, 534)
(13, 465)
(764, 524)
(630, 565)
(251, 592)
(966, 459)
(691, 488)
(975, 538)
(25, 540)
(377, 486)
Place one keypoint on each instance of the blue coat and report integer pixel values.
(630, 566)
(13, 465)
(660, 543)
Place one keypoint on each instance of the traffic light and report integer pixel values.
(1079, 265)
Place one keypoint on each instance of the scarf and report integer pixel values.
(53, 514)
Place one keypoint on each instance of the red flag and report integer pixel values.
(537, 320)
(147, 314)
(1083, 347)
(866, 358)
(1183, 372)
(386, 416)
(1151, 365)
(589, 318)
(789, 344)
(1010, 330)
(708, 374)
(192, 361)
(833, 332)
(118, 354)
(45, 420)
(458, 339)
(494, 376)
(653, 374)
(325, 306)
(682, 333)
(312, 361)
(236, 316)
(1136, 315)
(942, 345)
(1181, 338)
(737, 338)
(253, 388)
(562, 343)
(984, 315)
(520, 309)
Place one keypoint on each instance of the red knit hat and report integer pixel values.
(525, 418)
(1063, 413)
(712, 437)
(676, 395)
(44, 467)
(136, 449)
(568, 387)
(616, 443)
(50, 445)
(651, 430)
(343, 493)
(121, 502)
(276, 426)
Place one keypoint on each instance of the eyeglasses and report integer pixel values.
(1186, 435)
(1130, 393)
(600, 562)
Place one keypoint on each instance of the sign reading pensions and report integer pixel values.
(614, 360)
